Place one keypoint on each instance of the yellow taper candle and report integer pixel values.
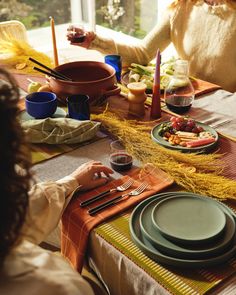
(54, 43)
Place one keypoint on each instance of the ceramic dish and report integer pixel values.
(187, 251)
(189, 220)
(125, 81)
(148, 249)
(204, 148)
(92, 78)
(60, 113)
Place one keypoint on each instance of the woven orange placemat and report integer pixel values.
(77, 223)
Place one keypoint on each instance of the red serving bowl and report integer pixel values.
(93, 78)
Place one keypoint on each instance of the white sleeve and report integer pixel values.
(142, 52)
(47, 202)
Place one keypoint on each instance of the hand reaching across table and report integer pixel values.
(90, 175)
(181, 24)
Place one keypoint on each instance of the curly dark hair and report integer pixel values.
(15, 166)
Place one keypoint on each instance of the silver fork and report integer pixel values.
(117, 199)
(119, 188)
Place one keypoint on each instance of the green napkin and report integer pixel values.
(59, 130)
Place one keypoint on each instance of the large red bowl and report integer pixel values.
(93, 78)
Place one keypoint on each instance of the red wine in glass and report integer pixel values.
(78, 39)
(178, 103)
(121, 161)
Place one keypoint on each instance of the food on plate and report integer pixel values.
(185, 132)
(199, 142)
(145, 74)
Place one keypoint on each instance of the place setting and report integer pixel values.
(132, 186)
(45, 122)
(184, 230)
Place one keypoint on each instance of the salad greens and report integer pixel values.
(145, 74)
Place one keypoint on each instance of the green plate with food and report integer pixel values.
(185, 134)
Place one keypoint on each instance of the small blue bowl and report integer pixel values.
(41, 105)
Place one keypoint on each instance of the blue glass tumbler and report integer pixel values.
(114, 60)
(78, 107)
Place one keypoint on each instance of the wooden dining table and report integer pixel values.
(119, 273)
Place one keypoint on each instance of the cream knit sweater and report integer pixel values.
(204, 35)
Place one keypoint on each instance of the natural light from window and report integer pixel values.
(133, 18)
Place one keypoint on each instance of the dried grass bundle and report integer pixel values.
(199, 173)
(17, 53)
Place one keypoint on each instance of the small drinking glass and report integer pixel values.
(114, 60)
(78, 37)
(78, 107)
(120, 159)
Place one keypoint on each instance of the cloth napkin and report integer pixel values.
(77, 223)
(59, 130)
(202, 87)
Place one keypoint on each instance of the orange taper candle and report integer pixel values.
(156, 93)
(54, 43)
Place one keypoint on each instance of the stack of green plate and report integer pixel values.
(184, 229)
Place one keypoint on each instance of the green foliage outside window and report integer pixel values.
(36, 13)
(133, 21)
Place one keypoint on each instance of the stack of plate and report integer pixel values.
(184, 229)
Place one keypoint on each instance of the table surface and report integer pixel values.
(110, 264)
(121, 275)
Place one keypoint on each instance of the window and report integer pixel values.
(133, 17)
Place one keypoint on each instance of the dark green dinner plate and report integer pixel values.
(204, 148)
(147, 247)
(188, 251)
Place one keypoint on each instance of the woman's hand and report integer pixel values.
(78, 36)
(90, 175)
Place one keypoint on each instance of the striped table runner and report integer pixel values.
(42, 152)
(189, 282)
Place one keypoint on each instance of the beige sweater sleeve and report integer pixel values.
(47, 201)
(142, 52)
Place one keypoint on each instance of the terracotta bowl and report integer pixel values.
(93, 78)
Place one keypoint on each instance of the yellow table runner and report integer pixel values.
(116, 232)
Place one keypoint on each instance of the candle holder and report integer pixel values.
(137, 97)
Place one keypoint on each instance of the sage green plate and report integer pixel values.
(189, 220)
(204, 148)
(147, 248)
(184, 251)
(60, 113)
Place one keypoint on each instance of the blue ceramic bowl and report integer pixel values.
(41, 105)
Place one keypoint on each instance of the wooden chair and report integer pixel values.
(13, 29)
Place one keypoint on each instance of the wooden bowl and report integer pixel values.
(93, 78)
